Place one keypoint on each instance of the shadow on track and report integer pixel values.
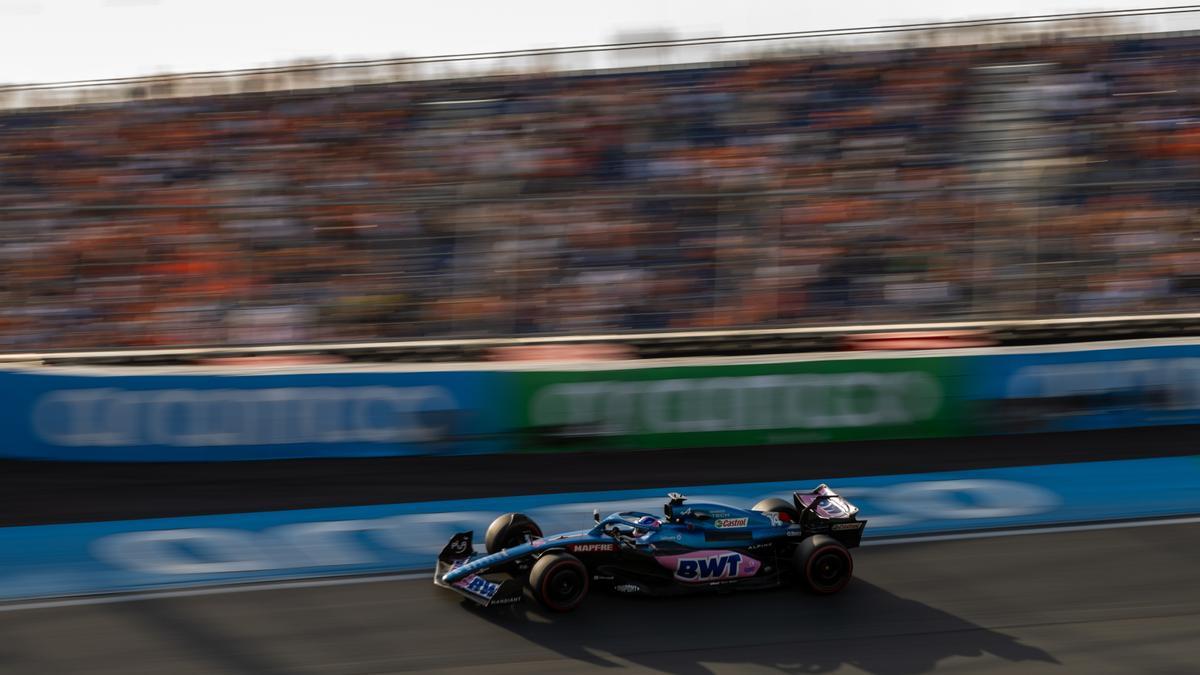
(865, 627)
(200, 643)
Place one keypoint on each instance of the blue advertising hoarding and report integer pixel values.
(83, 558)
(188, 415)
(64, 415)
(1079, 389)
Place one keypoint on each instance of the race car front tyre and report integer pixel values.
(559, 581)
(783, 507)
(823, 564)
(510, 529)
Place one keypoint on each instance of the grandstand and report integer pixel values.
(1050, 179)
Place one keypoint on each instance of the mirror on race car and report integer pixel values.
(673, 499)
(596, 515)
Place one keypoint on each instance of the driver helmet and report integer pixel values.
(647, 521)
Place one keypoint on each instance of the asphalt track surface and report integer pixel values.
(1111, 601)
(53, 492)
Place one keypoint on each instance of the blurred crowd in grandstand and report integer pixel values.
(922, 184)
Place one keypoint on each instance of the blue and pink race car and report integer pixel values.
(690, 548)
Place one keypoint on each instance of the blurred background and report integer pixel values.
(987, 169)
(682, 179)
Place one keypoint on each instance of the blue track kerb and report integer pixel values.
(55, 560)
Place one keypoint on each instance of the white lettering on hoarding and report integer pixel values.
(191, 551)
(1179, 378)
(970, 499)
(807, 401)
(375, 541)
(110, 417)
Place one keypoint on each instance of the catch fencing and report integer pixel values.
(429, 266)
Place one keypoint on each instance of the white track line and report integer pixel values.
(348, 581)
(986, 534)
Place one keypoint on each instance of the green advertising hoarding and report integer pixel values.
(744, 405)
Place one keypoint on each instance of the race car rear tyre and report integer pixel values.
(559, 581)
(510, 530)
(783, 507)
(823, 564)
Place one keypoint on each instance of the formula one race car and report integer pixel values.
(692, 547)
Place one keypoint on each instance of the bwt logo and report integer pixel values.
(481, 587)
(713, 567)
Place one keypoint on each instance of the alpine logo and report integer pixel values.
(833, 507)
(592, 548)
(713, 567)
(476, 585)
(731, 522)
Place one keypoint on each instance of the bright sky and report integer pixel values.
(49, 40)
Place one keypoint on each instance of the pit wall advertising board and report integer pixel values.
(735, 405)
(1077, 389)
(50, 414)
(196, 415)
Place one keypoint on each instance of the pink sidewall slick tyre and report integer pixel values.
(823, 564)
(559, 581)
(510, 529)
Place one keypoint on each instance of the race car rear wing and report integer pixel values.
(824, 503)
(824, 511)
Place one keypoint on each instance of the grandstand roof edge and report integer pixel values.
(241, 76)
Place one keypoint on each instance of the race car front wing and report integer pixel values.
(484, 590)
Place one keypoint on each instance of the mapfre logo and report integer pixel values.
(731, 522)
(592, 548)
